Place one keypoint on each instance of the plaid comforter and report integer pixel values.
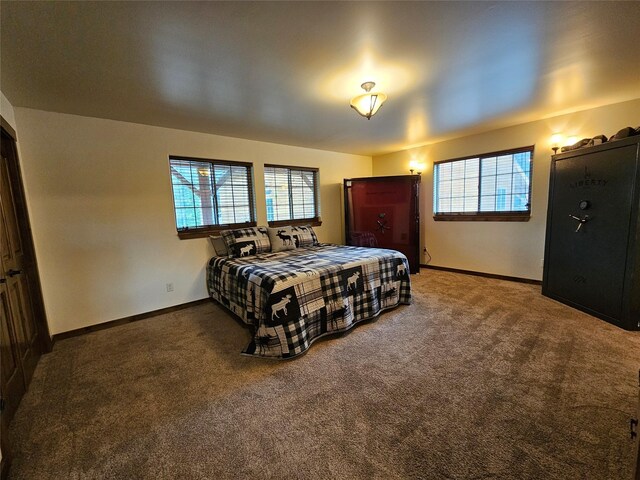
(293, 297)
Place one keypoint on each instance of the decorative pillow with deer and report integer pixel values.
(304, 236)
(290, 237)
(243, 242)
(281, 239)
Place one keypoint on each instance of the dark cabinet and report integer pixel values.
(592, 260)
(383, 212)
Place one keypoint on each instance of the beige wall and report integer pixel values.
(6, 110)
(99, 196)
(505, 248)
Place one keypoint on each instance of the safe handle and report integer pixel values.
(582, 221)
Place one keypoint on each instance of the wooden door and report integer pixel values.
(24, 335)
(16, 285)
(12, 384)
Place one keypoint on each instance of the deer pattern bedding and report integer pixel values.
(292, 298)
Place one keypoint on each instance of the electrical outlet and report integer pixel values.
(169, 287)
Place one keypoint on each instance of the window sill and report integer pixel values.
(483, 217)
(205, 232)
(314, 222)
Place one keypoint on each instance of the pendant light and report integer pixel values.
(368, 103)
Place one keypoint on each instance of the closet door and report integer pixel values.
(12, 384)
(24, 335)
(589, 229)
(383, 212)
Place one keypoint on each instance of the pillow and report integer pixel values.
(243, 242)
(304, 236)
(281, 239)
(219, 246)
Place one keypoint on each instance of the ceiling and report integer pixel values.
(284, 72)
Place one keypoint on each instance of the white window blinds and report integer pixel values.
(291, 193)
(210, 193)
(498, 183)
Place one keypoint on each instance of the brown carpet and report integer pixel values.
(477, 379)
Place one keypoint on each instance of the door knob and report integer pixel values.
(12, 273)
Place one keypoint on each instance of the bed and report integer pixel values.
(294, 297)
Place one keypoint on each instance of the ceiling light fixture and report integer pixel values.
(368, 103)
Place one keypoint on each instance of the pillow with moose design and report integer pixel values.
(243, 242)
(290, 237)
(304, 236)
(281, 239)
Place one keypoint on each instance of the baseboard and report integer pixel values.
(122, 321)
(482, 274)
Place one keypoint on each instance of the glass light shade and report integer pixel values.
(368, 104)
(417, 166)
(556, 140)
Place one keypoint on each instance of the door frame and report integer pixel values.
(24, 225)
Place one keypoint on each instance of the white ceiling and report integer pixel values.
(284, 71)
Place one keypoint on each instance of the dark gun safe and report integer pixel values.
(591, 259)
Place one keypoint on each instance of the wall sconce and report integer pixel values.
(417, 166)
(556, 142)
(368, 103)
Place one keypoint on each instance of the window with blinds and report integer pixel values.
(491, 186)
(210, 195)
(291, 195)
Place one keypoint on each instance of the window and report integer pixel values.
(292, 195)
(211, 195)
(492, 186)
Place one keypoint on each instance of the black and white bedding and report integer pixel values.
(293, 297)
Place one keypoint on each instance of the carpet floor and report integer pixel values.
(478, 378)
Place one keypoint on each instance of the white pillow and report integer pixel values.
(219, 246)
